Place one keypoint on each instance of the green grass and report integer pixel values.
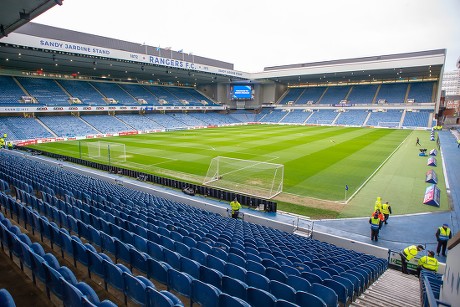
(318, 161)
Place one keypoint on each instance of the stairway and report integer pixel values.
(393, 288)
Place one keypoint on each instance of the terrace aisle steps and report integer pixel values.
(393, 288)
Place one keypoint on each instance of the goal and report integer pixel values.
(388, 124)
(255, 178)
(106, 151)
(324, 121)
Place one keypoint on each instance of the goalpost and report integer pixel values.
(388, 124)
(255, 178)
(324, 121)
(106, 151)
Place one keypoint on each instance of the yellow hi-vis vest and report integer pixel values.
(429, 263)
(444, 233)
(375, 223)
(235, 206)
(410, 252)
(385, 209)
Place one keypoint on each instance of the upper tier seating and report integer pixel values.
(292, 95)
(335, 94)
(421, 92)
(362, 94)
(68, 126)
(46, 91)
(106, 124)
(21, 128)
(10, 91)
(140, 92)
(311, 94)
(84, 91)
(392, 92)
(181, 246)
(164, 95)
(114, 91)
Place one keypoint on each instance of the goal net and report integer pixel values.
(106, 151)
(255, 178)
(324, 121)
(388, 124)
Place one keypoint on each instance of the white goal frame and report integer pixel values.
(106, 151)
(324, 121)
(389, 124)
(250, 177)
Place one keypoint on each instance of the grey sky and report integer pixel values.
(256, 34)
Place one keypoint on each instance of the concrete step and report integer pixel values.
(393, 288)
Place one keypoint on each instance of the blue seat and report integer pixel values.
(260, 298)
(353, 279)
(114, 275)
(298, 283)
(235, 271)
(236, 259)
(275, 274)
(211, 276)
(347, 284)
(205, 294)
(155, 250)
(172, 258)
(308, 299)
(96, 264)
(180, 282)
(6, 300)
(339, 289)
(234, 287)
(216, 263)
(72, 296)
(159, 299)
(190, 267)
(181, 249)
(257, 280)
(198, 255)
(139, 260)
(311, 277)
(321, 273)
(255, 267)
(136, 288)
(283, 303)
(282, 291)
(326, 294)
(226, 300)
(158, 270)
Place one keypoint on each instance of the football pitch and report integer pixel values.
(323, 166)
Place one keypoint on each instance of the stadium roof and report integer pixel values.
(15, 13)
(24, 50)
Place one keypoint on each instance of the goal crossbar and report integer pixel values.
(256, 178)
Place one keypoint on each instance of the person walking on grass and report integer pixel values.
(418, 142)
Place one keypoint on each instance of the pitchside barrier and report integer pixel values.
(246, 200)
